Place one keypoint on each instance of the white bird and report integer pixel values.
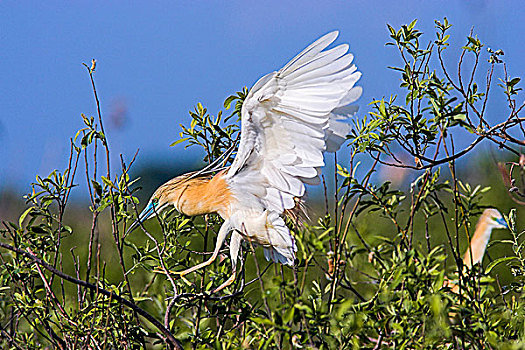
(489, 220)
(288, 120)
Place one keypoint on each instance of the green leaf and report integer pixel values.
(499, 261)
(382, 108)
(412, 24)
(229, 100)
(24, 214)
(513, 81)
(179, 141)
(108, 182)
(288, 315)
(262, 321)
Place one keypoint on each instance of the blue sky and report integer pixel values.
(156, 60)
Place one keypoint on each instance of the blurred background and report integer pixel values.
(157, 60)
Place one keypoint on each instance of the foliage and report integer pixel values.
(371, 272)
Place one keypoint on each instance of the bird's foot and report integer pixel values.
(179, 273)
(185, 280)
(228, 282)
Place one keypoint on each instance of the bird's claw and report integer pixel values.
(179, 273)
(185, 280)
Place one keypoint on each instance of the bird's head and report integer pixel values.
(168, 193)
(493, 218)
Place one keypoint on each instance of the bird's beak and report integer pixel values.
(502, 222)
(143, 216)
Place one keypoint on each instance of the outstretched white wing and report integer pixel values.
(289, 118)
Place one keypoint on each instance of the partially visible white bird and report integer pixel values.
(289, 119)
(489, 220)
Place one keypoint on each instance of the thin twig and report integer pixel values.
(169, 337)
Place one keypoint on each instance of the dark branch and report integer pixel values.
(169, 337)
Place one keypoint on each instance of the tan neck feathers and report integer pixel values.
(478, 244)
(203, 195)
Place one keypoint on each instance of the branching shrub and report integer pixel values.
(372, 268)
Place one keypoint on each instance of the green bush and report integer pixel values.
(371, 271)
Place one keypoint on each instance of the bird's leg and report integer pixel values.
(235, 244)
(221, 236)
(228, 282)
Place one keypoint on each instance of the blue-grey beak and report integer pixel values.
(502, 221)
(143, 216)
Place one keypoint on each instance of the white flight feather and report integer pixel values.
(289, 119)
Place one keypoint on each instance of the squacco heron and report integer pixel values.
(489, 220)
(288, 120)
